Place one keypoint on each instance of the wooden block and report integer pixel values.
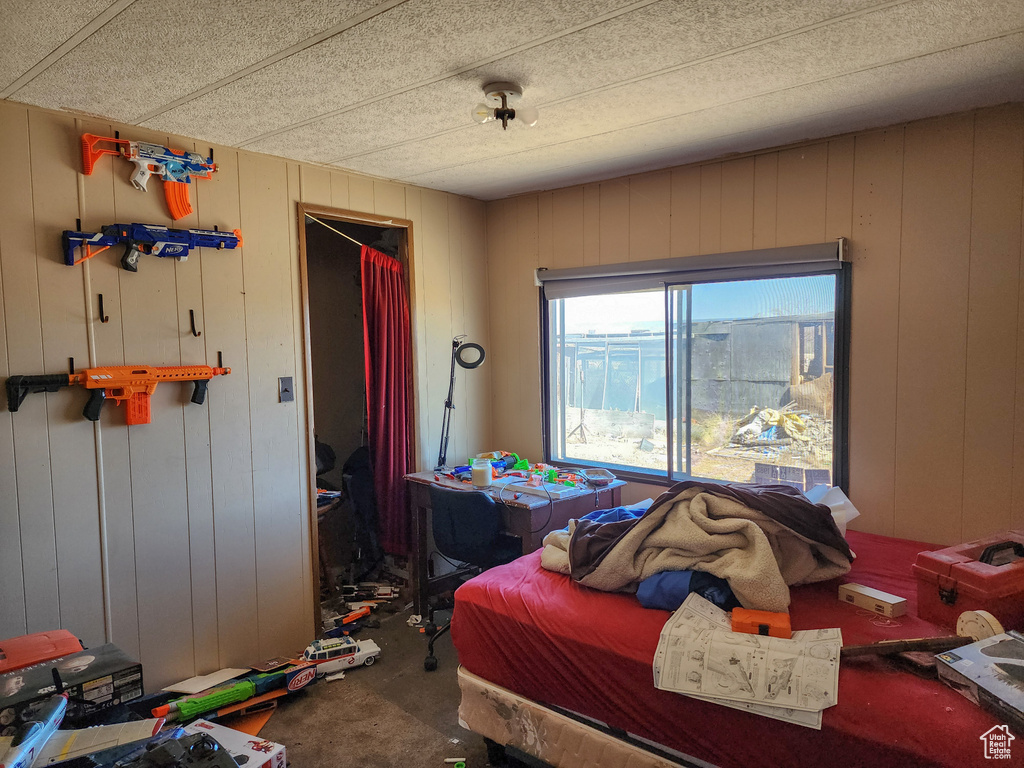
(873, 600)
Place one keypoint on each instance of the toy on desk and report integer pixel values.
(540, 479)
(506, 462)
(484, 468)
(597, 477)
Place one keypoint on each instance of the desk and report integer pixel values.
(525, 517)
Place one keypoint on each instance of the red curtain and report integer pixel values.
(388, 364)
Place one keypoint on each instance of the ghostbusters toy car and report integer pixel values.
(336, 654)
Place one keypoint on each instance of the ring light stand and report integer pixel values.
(458, 349)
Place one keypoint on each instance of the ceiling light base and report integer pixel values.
(499, 98)
(494, 92)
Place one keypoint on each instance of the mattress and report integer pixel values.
(547, 639)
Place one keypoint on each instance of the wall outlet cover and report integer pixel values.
(285, 390)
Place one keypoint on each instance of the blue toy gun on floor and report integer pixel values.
(146, 239)
(176, 167)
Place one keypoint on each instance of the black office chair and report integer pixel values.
(467, 527)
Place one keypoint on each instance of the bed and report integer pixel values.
(532, 641)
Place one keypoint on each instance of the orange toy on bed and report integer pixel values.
(761, 623)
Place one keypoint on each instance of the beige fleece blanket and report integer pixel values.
(700, 531)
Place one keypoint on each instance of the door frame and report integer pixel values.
(405, 254)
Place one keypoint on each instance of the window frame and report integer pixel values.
(840, 367)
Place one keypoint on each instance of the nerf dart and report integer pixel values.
(145, 239)
(119, 383)
(30, 737)
(174, 166)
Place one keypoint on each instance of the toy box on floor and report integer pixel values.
(95, 679)
(258, 753)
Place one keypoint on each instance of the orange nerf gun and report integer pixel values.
(176, 167)
(134, 383)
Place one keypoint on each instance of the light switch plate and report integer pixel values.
(285, 390)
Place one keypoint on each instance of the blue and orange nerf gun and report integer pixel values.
(147, 239)
(176, 167)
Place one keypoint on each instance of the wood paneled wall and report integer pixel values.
(932, 210)
(187, 541)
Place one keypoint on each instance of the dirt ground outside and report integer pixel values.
(638, 440)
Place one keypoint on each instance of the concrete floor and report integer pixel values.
(390, 714)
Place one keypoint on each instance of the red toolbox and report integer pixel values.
(986, 574)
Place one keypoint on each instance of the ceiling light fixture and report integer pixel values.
(500, 98)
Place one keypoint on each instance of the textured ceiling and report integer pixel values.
(387, 88)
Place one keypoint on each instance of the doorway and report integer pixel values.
(345, 542)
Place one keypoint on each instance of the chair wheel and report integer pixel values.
(430, 663)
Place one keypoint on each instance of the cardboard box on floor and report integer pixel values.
(95, 679)
(258, 753)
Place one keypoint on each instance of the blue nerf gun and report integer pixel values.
(175, 167)
(146, 239)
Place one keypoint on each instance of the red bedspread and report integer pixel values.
(549, 639)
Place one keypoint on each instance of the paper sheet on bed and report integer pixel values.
(792, 680)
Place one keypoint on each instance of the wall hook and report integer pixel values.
(103, 318)
(192, 322)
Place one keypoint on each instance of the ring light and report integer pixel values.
(469, 364)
